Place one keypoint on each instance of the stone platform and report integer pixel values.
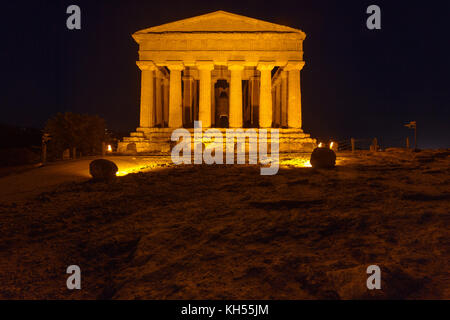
(158, 140)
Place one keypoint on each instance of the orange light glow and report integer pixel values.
(331, 145)
(320, 145)
(109, 148)
(125, 170)
(297, 162)
(123, 173)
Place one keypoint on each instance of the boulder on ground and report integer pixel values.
(103, 170)
(323, 158)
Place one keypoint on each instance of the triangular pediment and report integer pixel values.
(219, 21)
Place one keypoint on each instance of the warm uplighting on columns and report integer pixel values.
(236, 117)
(147, 104)
(204, 112)
(284, 98)
(175, 101)
(277, 107)
(188, 82)
(166, 101)
(294, 96)
(158, 100)
(265, 94)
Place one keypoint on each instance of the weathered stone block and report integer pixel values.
(103, 170)
(323, 158)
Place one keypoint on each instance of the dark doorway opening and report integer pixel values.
(222, 104)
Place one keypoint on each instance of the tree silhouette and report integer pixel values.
(71, 130)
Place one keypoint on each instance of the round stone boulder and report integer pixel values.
(103, 170)
(323, 158)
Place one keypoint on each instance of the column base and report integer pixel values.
(157, 140)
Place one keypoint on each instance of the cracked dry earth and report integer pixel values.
(226, 232)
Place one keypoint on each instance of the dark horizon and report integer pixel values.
(356, 82)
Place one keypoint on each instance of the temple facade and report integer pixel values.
(223, 69)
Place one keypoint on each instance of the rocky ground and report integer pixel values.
(226, 232)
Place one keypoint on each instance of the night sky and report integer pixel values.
(356, 82)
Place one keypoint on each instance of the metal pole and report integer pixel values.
(415, 136)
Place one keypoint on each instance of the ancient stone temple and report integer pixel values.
(226, 70)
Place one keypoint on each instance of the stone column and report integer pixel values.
(284, 97)
(159, 102)
(294, 98)
(278, 104)
(254, 99)
(166, 101)
(175, 100)
(274, 105)
(147, 102)
(187, 98)
(213, 102)
(265, 95)
(235, 116)
(194, 100)
(204, 112)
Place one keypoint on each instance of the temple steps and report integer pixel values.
(158, 140)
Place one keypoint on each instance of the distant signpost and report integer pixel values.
(413, 125)
(45, 138)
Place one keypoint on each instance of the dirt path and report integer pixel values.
(23, 185)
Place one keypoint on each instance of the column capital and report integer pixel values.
(294, 65)
(175, 65)
(265, 65)
(236, 65)
(146, 65)
(205, 65)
